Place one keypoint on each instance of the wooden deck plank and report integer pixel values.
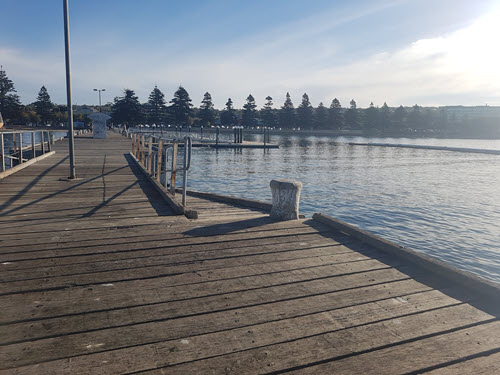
(141, 291)
(483, 363)
(185, 347)
(164, 298)
(234, 316)
(44, 261)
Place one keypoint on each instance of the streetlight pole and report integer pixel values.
(71, 138)
(100, 97)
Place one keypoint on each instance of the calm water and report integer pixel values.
(445, 204)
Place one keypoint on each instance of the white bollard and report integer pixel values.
(286, 194)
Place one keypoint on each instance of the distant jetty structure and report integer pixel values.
(422, 147)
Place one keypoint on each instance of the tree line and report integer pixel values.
(377, 120)
(41, 112)
(179, 111)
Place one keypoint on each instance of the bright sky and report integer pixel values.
(429, 52)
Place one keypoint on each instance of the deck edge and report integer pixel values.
(20, 167)
(465, 279)
(261, 205)
(178, 208)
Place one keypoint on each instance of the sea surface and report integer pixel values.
(445, 204)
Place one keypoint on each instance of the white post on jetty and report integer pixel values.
(286, 195)
(99, 124)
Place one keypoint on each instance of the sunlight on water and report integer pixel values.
(446, 204)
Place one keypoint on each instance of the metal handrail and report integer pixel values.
(21, 151)
(16, 151)
(199, 135)
(154, 158)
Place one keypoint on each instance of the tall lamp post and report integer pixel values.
(99, 97)
(72, 170)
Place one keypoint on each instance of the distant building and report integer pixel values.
(78, 124)
(84, 110)
(476, 112)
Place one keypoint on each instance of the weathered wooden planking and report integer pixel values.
(70, 301)
(162, 307)
(483, 363)
(42, 283)
(263, 328)
(235, 314)
(393, 346)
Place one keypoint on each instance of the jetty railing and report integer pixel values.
(198, 134)
(159, 158)
(209, 136)
(18, 147)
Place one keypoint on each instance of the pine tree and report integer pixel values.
(228, 116)
(335, 115)
(415, 118)
(181, 108)
(249, 115)
(127, 109)
(287, 113)
(371, 117)
(44, 106)
(207, 112)
(305, 113)
(321, 117)
(267, 113)
(352, 118)
(156, 108)
(10, 105)
(399, 118)
(384, 118)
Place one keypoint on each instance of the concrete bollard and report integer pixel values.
(286, 194)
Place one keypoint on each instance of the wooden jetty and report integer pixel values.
(213, 141)
(98, 277)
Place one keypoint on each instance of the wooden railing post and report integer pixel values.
(150, 155)
(2, 150)
(187, 145)
(174, 168)
(20, 148)
(137, 145)
(42, 143)
(160, 157)
(165, 165)
(49, 146)
(14, 146)
(33, 144)
(143, 141)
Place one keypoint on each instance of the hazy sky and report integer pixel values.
(438, 52)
